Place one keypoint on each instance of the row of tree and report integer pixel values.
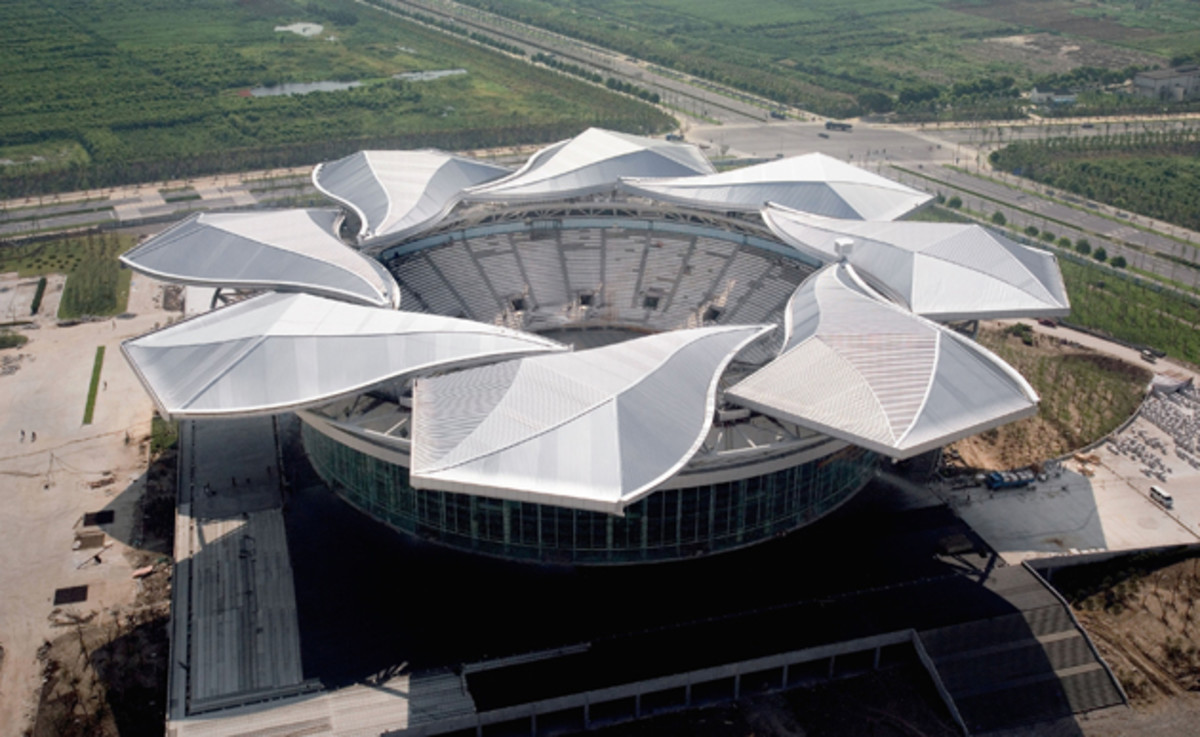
(1154, 173)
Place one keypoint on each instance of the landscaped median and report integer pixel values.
(94, 387)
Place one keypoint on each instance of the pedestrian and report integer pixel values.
(33, 436)
(22, 436)
(106, 386)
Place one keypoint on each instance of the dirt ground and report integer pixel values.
(1143, 616)
(1085, 395)
(1055, 16)
(50, 483)
(1046, 53)
(1147, 625)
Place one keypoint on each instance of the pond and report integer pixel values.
(302, 88)
(427, 76)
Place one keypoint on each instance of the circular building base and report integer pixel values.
(669, 524)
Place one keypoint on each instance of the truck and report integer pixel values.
(833, 125)
(1009, 479)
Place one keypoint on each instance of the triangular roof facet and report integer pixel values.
(867, 371)
(943, 271)
(284, 250)
(812, 182)
(590, 163)
(595, 429)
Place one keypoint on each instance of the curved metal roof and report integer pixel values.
(397, 193)
(589, 163)
(943, 271)
(268, 249)
(813, 183)
(866, 371)
(594, 429)
(278, 352)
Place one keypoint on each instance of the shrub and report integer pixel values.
(12, 340)
(1047, 236)
(1100, 255)
(1064, 242)
(998, 218)
(1031, 231)
(1118, 262)
(37, 296)
(955, 202)
(1082, 246)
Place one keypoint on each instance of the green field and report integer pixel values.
(100, 93)
(825, 54)
(1132, 309)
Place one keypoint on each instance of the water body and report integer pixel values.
(427, 76)
(301, 29)
(302, 88)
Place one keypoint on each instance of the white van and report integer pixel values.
(1162, 497)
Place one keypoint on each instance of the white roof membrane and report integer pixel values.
(943, 271)
(866, 371)
(813, 183)
(398, 193)
(595, 429)
(278, 352)
(290, 250)
(590, 163)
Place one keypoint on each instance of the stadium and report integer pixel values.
(614, 354)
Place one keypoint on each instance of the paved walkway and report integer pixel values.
(234, 620)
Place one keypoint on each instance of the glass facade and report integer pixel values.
(667, 525)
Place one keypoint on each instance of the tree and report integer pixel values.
(1100, 255)
(954, 202)
(1031, 231)
(999, 219)
(1064, 242)
(1118, 262)
(1082, 246)
(875, 102)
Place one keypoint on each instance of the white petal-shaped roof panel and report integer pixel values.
(397, 193)
(595, 429)
(278, 352)
(813, 183)
(866, 371)
(285, 250)
(592, 162)
(943, 271)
